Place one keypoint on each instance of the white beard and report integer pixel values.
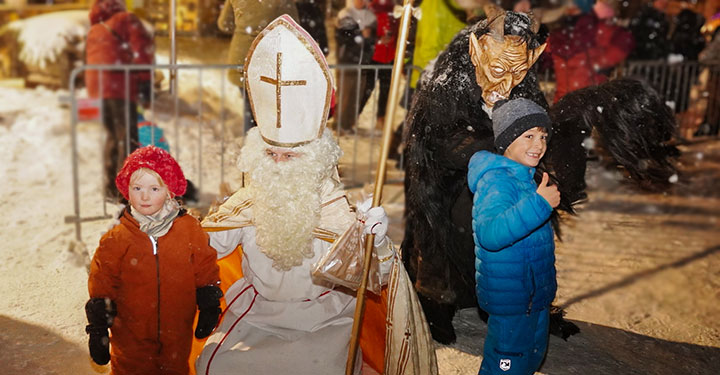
(286, 199)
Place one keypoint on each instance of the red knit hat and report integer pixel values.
(156, 159)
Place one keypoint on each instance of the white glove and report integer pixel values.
(365, 205)
(377, 224)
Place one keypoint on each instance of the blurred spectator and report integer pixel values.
(711, 55)
(586, 47)
(387, 33)
(245, 19)
(355, 37)
(686, 38)
(686, 42)
(712, 27)
(543, 15)
(440, 21)
(650, 29)
(311, 15)
(117, 36)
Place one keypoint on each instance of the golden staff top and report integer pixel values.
(380, 177)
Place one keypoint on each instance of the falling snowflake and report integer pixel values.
(673, 179)
(599, 109)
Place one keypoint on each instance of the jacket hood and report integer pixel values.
(101, 10)
(484, 161)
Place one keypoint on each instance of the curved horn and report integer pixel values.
(496, 20)
(534, 22)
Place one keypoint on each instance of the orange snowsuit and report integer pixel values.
(154, 292)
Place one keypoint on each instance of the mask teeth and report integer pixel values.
(494, 97)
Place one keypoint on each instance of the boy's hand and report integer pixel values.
(549, 192)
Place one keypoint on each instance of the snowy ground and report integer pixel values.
(640, 273)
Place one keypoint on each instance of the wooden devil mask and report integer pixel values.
(501, 61)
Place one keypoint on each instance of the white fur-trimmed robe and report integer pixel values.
(286, 322)
(279, 321)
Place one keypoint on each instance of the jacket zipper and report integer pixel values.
(532, 294)
(157, 274)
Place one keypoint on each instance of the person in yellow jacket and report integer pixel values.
(435, 29)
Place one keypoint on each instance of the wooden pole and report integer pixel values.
(380, 177)
(173, 51)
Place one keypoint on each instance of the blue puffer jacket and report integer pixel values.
(514, 242)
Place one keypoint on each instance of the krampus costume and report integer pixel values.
(450, 120)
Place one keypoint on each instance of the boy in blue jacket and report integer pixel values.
(514, 241)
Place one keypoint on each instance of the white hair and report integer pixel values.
(287, 196)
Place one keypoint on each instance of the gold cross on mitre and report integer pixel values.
(282, 55)
(279, 83)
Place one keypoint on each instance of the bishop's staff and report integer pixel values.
(380, 178)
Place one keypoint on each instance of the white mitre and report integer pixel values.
(289, 84)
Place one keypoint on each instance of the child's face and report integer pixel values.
(359, 4)
(147, 194)
(528, 148)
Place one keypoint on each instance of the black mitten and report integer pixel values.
(100, 313)
(99, 344)
(208, 301)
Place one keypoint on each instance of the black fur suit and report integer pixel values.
(447, 125)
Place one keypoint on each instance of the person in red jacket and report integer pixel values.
(150, 275)
(587, 47)
(387, 30)
(117, 36)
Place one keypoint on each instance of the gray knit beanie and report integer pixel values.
(513, 117)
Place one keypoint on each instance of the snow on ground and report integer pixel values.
(638, 272)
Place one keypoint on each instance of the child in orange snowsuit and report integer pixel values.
(150, 274)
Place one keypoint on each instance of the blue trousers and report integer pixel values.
(515, 344)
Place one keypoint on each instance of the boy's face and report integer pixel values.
(528, 148)
(147, 195)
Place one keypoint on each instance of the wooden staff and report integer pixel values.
(380, 178)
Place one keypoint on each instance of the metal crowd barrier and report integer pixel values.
(689, 88)
(361, 145)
